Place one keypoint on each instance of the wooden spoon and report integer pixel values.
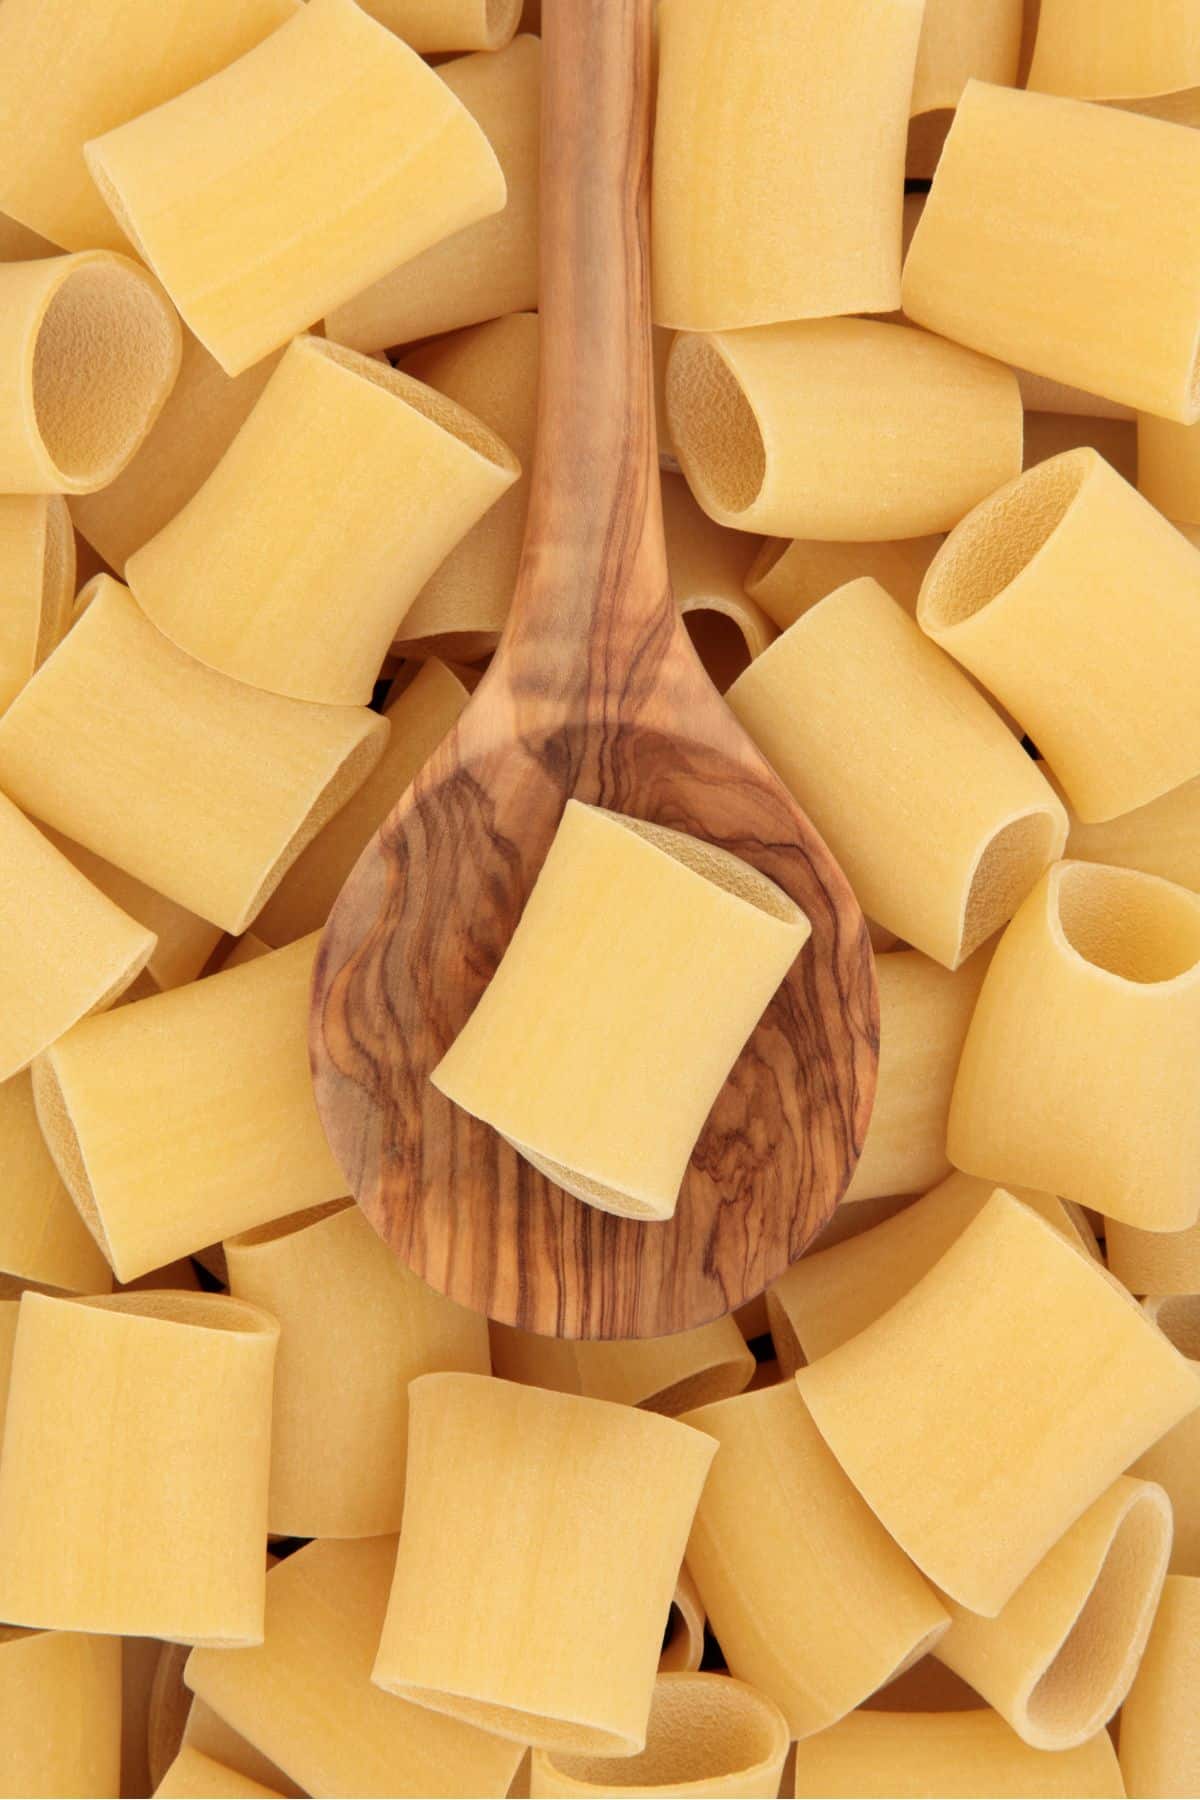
(595, 691)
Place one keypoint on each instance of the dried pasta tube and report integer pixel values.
(1160, 1721)
(1161, 838)
(490, 370)
(206, 1731)
(164, 1526)
(1040, 209)
(19, 244)
(69, 70)
(778, 188)
(356, 1326)
(1168, 467)
(811, 1601)
(420, 716)
(430, 25)
(203, 414)
(203, 1093)
(1153, 1262)
(961, 40)
(1058, 1660)
(1090, 1010)
(684, 944)
(10, 1309)
(197, 1776)
(1042, 394)
(969, 1415)
(37, 584)
(708, 1735)
(1075, 604)
(42, 1237)
(828, 1297)
(395, 475)
(65, 949)
(304, 1697)
(89, 351)
(666, 1374)
(707, 566)
(840, 428)
(1049, 434)
(684, 1646)
(183, 942)
(1118, 50)
(393, 162)
(952, 1755)
(490, 268)
(788, 577)
(924, 1012)
(203, 788)
(863, 1215)
(1174, 1461)
(573, 1572)
(60, 1714)
(940, 820)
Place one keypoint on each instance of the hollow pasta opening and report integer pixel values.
(1178, 1317)
(701, 1728)
(1129, 924)
(1008, 869)
(103, 363)
(208, 1312)
(719, 866)
(435, 407)
(720, 644)
(290, 1226)
(770, 552)
(512, 1722)
(713, 427)
(1080, 1688)
(719, 1381)
(1001, 537)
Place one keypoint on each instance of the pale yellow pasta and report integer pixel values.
(167, 1711)
(202, 416)
(197, 1777)
(206, 790)
(681, 942)
(490, 268)
(10, 1310)
(304, 1696)
(420, 715)
(42, 1237)
(961, 39)
(788, 577)
(572, 1573)
(1051, 240)
(492, 371)
(60, 1715)
(254, 241)
(1174, 1461)
(684, 1644)
(948, 1756)
(831, 1295)
(1074, 603)
(1059, 1658)
(1042, 394)
(660, 349)
(241, 950)
(923, 1687)
(1116, 49)
(89, 351)
(37, 584)
(1076, 1074)
(139, 1658)
(65, 949)
(840, 428)
(779, 159)
(972, 1415)
(19, 244)
(347, 478)
(202, 1093)
(1153, 1262)
(113, 1517)
(206, 1731)
(183, 942)
(810, 1600)
(863, 1215)
(1160, 1721)
(1161, 838)
(1049, 434)
(430, 25)
(1168, 467)
(707, 566)
(938, 817)
(708, 1735)
(356, 1326)
(70, 69)
(665, 1374)
(924, 1011)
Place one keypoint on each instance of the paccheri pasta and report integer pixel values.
(708, 568)
(951, 1755)
(1159, 1747)
(60, 1714)
(1174, 1461)
(37, 583)
(42, 1237)
(668, 1375)
(194, 1776)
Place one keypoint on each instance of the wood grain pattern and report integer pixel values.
(595, 691)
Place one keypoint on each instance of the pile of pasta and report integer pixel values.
(275, 1517)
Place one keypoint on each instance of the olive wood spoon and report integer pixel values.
(595, 691)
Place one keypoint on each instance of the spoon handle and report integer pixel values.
(592, 594)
